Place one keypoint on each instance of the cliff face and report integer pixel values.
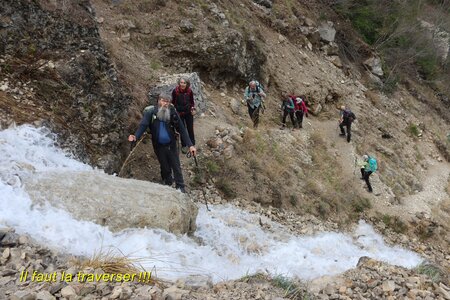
(55, 70)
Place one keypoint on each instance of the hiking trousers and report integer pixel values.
(254, 115)
(365, 175)
(349, 128)
(291, 115)
(188, 121)
(169, 161)
(299, 116)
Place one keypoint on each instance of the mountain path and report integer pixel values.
(434, 181)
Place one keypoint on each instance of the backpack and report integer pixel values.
(148, 108)
(183, 104)
(152, 109)
(373, 165)
(258, 87)
(348, 115)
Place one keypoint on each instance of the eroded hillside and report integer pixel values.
(77, 74)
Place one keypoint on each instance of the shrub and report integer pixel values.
(394, 223)
(435, 273)
(413, 130)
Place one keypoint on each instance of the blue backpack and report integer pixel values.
(373, 166)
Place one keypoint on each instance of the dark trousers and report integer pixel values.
(188, 121)
(291, 115)
(254, 115)
(365, 175)
(169, 161)
(349, 129)
(299, 116)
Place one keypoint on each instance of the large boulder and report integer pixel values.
(114, 202)
(167, 83)
(327, 31)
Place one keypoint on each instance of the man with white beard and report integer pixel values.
(164, 122)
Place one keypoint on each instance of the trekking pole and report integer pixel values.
(133, 147)
(188, 155)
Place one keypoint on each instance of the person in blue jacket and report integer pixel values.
(165, 123)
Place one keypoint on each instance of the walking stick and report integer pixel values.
(133, 147)
(189, 155)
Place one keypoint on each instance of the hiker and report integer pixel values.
(162, 122)
(287, 106)
(346, 119)
(300, 110)
(254, 96)
(183, 100)
(368, 167)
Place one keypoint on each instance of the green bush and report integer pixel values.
(428, 66)
(414, 130)
(435, 273)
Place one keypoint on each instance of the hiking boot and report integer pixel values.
(283, 127)
(181, 189)
(184, 150)
(300, 126)
(348, 139)
(341, 134)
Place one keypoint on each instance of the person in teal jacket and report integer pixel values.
(254, 97)
(288, 108)
(368, 167)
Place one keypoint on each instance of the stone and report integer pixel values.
(443, 292)
(4, 87)
(168, 83)
(148, 204)
(228, 151)
(23, 295)
(388, 286)
(6, 253)
(68, 292)
(45, 295)
(198, 281)
(327, 31)
(174, 293)
(186, 26)
(235, 106)
(214, 143)
(23, 239)
(374, 64)
(335, 60)
(317, 109)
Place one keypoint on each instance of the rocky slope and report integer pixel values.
(84, 68)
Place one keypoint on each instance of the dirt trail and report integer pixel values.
(434, 181)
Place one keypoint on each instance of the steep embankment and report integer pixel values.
(55, 71)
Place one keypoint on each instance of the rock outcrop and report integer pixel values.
(118, 203)
(54, 49)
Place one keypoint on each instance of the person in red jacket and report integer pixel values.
(300, 110)
(183, 100)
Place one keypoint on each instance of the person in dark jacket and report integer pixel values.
(346, 119)
(183, 100)
(163, 122)
(287, 105)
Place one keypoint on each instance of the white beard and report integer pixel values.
(163, 114)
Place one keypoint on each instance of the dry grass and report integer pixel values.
(374, 98)
(112, 262)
